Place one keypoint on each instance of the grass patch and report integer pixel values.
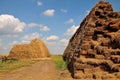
(11, 65)
(58, 60)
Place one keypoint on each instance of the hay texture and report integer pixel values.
(93, 52)
(36, 49)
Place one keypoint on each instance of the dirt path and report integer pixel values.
(42, 70)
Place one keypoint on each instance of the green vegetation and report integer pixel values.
(60, 64)
(11, 65)
(14, 64)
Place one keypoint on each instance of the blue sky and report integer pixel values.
(53, 21)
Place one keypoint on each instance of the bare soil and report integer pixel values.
(42, 70)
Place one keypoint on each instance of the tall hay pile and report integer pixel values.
(93, 52)
(36, 49)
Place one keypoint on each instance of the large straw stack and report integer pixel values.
(36, 49)
(93, 52)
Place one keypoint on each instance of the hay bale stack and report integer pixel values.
(36, 49)
(93, 52)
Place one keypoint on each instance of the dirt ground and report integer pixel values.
(42, 70)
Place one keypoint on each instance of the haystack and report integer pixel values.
(36, 49)
(93, 52)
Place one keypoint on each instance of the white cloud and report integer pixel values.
(49, 12)
(63, 10)
(29, 37)
(39, 3)
(52, 38)
(0, 42)
(5, 48)
(33, 25)
(56, 46)
(14, 42)
(87, 12)
(64, 41)
(9, 25)
(70, 21)
(71, 30)
(42, 27)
